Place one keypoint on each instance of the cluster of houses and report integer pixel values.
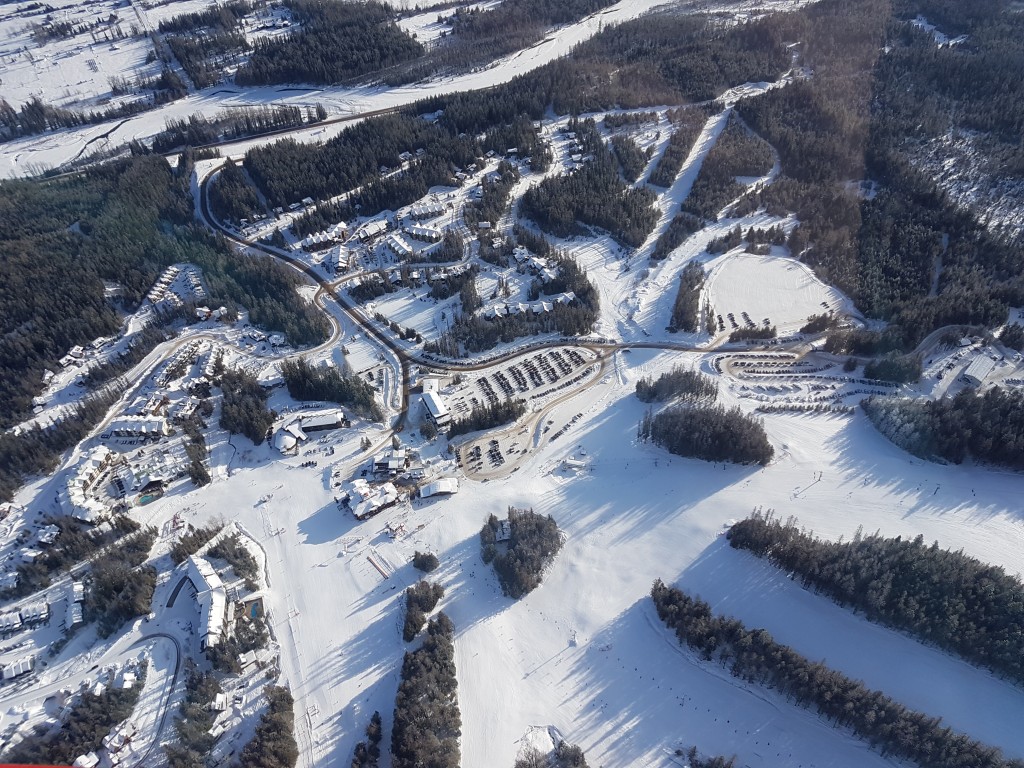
(79, 497)
(162, 295)
(26, 616)
(505, 309)
(320, 241)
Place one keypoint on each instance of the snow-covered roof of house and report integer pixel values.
(211, 596)
(435, 404)
(443, 485)
(365, 499)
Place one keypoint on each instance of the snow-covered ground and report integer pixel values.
(20, 157)
(622, 689)
(779, 289)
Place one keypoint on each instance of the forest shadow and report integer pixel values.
(867, 456)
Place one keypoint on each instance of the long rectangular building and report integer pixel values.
(437, 409)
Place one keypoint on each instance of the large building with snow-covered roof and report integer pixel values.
(212, 599)
(443, 486)
(437, 409)
(367, 500)
(979, 370)
(139, 426)
(76, 497)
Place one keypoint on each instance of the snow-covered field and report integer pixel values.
(776, 288)
(20, 157)
(585, 652)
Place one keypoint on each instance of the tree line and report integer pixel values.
(195, 719)
(367, 753)
(420, 599)
(632, 159)
(987, 427)
(686, 307)
(679, 382)
(335, 42)
(120, 587)
(427, 723)
(273, 744)
(941, 597)
(244, 409)
(755, 657)
(312, 383)
(234, 123)
(686, 127)
(487, 417)
(708, 432)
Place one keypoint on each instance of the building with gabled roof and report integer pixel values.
(212, 599)
(437, 409)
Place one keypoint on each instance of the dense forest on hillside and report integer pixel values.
(287, 171)
(231, 196)
(593, 194)
(852, 120)
(738, 152)
(946, 598)
(244, 410)
(335, 42)
(755, 657)
(632, 159)
(122, 222)
(708, 432)
(427, 722)
(987, 427)
(309, 382)
(686, 127)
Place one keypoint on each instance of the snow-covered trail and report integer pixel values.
(18, 158)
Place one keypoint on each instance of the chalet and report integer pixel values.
(391, 461)
(365, 500)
